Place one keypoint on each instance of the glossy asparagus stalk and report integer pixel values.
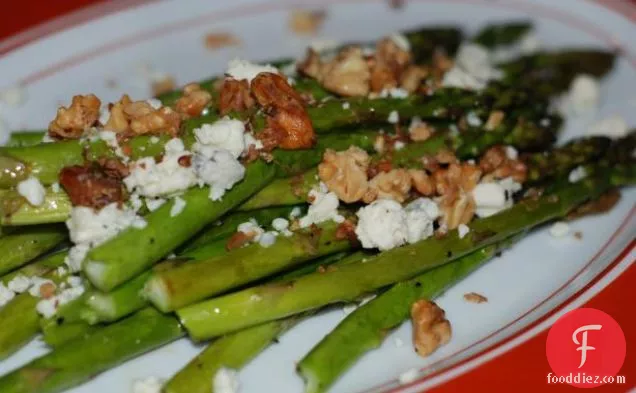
(22, 245)
(82, 359)
(265, 303)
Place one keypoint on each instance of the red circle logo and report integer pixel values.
(585, 348)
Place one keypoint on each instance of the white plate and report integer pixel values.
(524, 287)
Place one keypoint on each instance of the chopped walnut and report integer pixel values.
(238, 240)
(474, 297)
(420, 131)
(496, 163)
(288, 123)
(394, 184)
(92, 185)
(70, 123)
(345, 173)
(235, 96)
(457, 209)
(139, 117)
(312, 65)
(456, 177)
(347, 74)
(347, 230)
(382, 77)
(423, 183)
(163, 85)
(306, 22)
(495, 118)
(412, 78)
(214, 41)
(431, 329)
(389, 54)
(193, 101)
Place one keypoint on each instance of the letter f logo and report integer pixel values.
(583, 344)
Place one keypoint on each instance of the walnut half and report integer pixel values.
(431, 329)
(70, 123)
(345, 173)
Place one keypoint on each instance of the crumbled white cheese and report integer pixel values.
(394, 117)
(612, 127)
(154, 203)
(408, 376)
(420, 217)
(154, 103)
(251, 228)
(223, 134)
(295, 212)
(394, 92)
(493, 197)
(225, 381)
(177, 206)
(382, 224)
(55, 187)
(61, 271)
(324, 45)
(577, 174)
(148, 385)
(5, 295)
(559, 229)
(74, 281)
(5, 134)
(473, 68)
(511, 153)
(13, 96)
(220, 170)
(346, 105)
(282, 226)
(48, 307)
(251, 141)
(19, 283)
(473, 120)
(32, 190)
(583, 96)
(154, 139)
(401, 41)
(104, 116)
(267, 239)
(243, 69)
(399, 145)
(151, 179)
(462, 230)
(324, 207)
(88, 228)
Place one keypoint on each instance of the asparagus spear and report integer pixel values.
(265, 303)
(24, 138)
(24, 244)
(237, 349)
(366, 327)
(228, 224)
(80, 360)
(19, 323)
(503, 34)
(57, 206)
(18, 318)
(194, 281)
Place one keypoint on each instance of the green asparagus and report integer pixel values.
(24, 244)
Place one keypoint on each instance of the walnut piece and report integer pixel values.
(70, 123)
(420, 131)
(423, 183)
(345, 173)
(495, 118)
(474, 297)
(288, 123)
(394, 184)
(412, 78)
(457, 209)
(496, 163)
(306, 22)
(347, 74)
(193, 101)
(235, 96)
(47, 290)
(138, 118)
(214, 41)
(431, 329)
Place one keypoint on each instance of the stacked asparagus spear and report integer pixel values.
(114, 319)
